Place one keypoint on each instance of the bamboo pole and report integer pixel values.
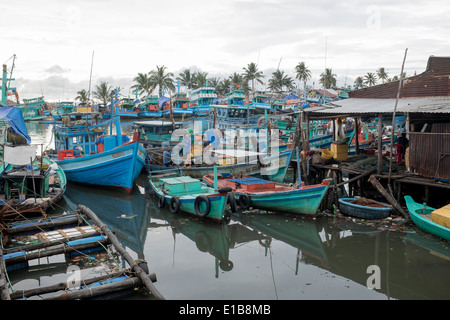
(97, 291)
(380, 140)
(387, 196)
(136, 267)
(393, 118)
(356, 178)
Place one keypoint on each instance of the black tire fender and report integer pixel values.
(202, 198)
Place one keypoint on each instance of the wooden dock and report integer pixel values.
(78, 234)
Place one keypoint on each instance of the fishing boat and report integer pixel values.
(201, 99)
(422, 216)
(187, 194)
(364, 208)
(33, 109)
(127, 108)
(30, 184)
(180, 106)
(63, 108)
(88, 155)
(246, 162)
(153, 107)
(157, 133)
(268, 195)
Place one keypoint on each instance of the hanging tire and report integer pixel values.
(232, 201)
(198, 201)
(225, 189)
(174, 205)
(244, 201)
(161, 202)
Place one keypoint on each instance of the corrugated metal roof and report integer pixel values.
(372, 106)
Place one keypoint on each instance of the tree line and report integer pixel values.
(146, 83)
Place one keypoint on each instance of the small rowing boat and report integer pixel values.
(364, 208)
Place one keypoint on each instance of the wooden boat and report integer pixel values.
(421, 215)
(364, 208)
(30, 184)
(88, 155)
(269, 195)
(180, 106)
(201, 99)
(233, 162)
(183, 193)
(63, 108)
(150, 108)
(155, 133)
(127, 108)
(33, 109)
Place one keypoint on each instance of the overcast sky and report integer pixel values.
(54, 40)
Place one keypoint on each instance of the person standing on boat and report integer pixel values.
(167, 158)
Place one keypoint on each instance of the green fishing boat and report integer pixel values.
(186, 194)
(421, 215)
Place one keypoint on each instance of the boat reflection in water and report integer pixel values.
(127, 214)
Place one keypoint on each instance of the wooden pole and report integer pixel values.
(4, 291)
(357, 177)
(387, 196)
(356, 137)
(136, 267)
(380, 140)
(393, 118)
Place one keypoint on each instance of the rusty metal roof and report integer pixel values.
(355, 106)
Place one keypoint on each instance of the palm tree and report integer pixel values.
(279, 80)
(236, 80)
(328, 78)
(382, 74)
(370, 79)
(359, 82)
(186, 78)
(143, 84)
(159, 78)
(223, 87)
(103, 92)
(302, 73)
(200, 79)
(252, 73)
(82, 96)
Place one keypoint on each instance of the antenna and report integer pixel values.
(90, 77)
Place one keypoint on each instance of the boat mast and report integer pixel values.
(90, 77)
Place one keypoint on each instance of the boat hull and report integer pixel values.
(218, 202)
(415, 212)
(118, 167)
(363, 212)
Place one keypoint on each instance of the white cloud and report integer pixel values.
(219, 37)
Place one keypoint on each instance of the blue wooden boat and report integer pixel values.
(180, 105)
(63, 108)
(421, 216)
(126, 108)
(201, 99)
(364, 208)
(269, 195)
(88, 155)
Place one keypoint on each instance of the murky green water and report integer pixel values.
(259, 256)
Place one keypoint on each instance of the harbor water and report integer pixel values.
(257, 255)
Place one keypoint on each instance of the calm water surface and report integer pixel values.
(258, 256)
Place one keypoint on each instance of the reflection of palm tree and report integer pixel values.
(382, 74)
(159, 78)
(252, 73)
(82, 96)
(143, 84)
(370, 79)
(328, 78)
(103, 91)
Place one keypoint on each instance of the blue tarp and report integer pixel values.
(16, 121)
(162, 100)
(290, 96)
